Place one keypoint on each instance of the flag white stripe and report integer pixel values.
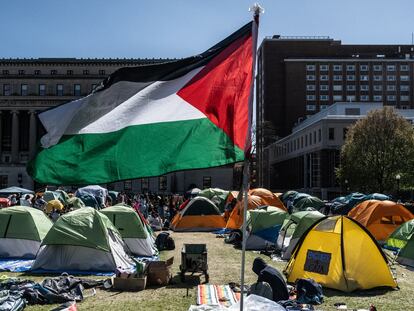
(155, 103)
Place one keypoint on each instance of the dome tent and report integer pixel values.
(402, 239)
(235, 220)
(268, 197)
(339, 253)
(293, 228)
(22, 231)
(381, 218)
(132, 229)
(83, 240)
(200, 214)
(216, 195)
(264, 224)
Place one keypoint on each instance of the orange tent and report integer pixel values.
(200, 214)
(235, 220)
(268, 197)
(381, 218)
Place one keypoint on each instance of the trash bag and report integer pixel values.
(309, 292)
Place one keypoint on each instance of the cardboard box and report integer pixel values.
(159, 272)
(129, 284)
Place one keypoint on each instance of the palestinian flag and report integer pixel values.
(153, 119)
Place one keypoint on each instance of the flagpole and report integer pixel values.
(256, 9)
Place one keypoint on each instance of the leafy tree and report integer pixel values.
(376, 149)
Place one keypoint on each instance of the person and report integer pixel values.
(54, 215)
(39, 203)
(13, 199)
(155, 221)
(161, 209)
(272, 276)
(26, 201)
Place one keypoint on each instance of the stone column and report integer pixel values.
(15, 137)
(32, 134)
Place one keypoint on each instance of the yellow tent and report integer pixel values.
(339, 253)
(53, 205)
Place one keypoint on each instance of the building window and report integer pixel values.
(128, 185)
(59, 89)
(324, 97)
(337, 87)
(324, 67)
(144, 184)
(77, 90)
(404, 88)
(319, 135)
(5, 72)
(23, 90)
(21, 72)
(310, 78)
(404, 98)
(390, 78)
(350, 98)
(350, 67)
(42, 89)
(337, 98)
(363, 67)
(53, 72)
(4, 181)
(310, 107)
(102, 72)
(37, 72)
(306, 140)
(350, 78)
(337, 67)
(162, 183)
(206, 182)
(324, 78)
(314, 137)
(390, 88)
(364, 98)
(310, 139)
(377, 78)
(331, 133)
(310, 67)
(390, 67)
(85, 72)
(364, 87)
(404, 68)
(377, 98)
(350, 88)
(377, 88)
(337, 78)
(69, 72)
(405, 78)
(6, 90)
(391, 98)
(324, 87)
(310, 97)
(378, 67)
(310, 87)
(364, 78)
(322, 107)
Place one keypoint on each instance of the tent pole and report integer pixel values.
(256, 9)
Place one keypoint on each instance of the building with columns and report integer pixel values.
(29, 86)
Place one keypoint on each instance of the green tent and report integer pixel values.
(264, 224)
(402, 239)
(308, 203)
(294, 226)
(133, 230)
(22, 230)
(83, 239)
(216, 195)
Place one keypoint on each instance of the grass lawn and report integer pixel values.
(224, 267)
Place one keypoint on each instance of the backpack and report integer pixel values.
(261, 289)
(164, 242)
(309, 291)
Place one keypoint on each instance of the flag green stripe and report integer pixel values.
(133, 152)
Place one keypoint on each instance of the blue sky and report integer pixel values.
(179, 28)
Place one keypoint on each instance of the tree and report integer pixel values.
(377, 149)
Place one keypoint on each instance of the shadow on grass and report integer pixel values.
(361, 293)
(191, 281)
